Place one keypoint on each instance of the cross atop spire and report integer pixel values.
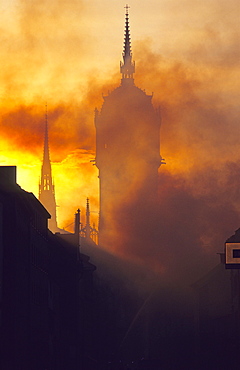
(127, 68)
(127, 7)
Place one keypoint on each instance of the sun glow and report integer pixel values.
(67, 53)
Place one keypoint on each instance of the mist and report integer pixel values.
(198, 200)
(53, 57)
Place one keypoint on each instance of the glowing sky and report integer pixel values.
(67, 53)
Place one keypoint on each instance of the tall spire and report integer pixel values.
(46, 186)
(127, 67)
(88, 227)
(46, 156)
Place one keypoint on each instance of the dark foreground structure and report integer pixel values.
(45, 288)
(217, 313)
(57, 313)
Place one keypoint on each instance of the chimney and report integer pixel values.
(8, 175)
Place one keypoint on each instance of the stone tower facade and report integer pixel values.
(127, 149)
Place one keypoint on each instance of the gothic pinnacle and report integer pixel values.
(46, 156)
(127, 67)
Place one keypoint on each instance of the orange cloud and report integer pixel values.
(51, 52)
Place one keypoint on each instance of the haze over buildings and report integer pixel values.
(67, 53)
(174, 236)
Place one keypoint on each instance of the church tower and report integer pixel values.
(46, 186)
(127, 150)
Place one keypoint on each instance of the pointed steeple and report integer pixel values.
(88, 227)
(127, 67)
(89, 232)
(46, 186)
(46, 168)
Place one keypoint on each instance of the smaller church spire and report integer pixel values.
(127, 67)
(89, 232)
(46, 186)
(46, 156)
(88, 227)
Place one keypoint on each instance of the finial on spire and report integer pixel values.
(127, 7)
(46, 157)
(46, 112)
(127, 68)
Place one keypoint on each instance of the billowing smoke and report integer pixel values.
(45, 55)
(198, 206)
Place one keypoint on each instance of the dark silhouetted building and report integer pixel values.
(24, 276)
(46, 293)
(127, 148)
(217, 315)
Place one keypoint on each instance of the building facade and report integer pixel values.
(217, 314)
(45, 288)
(127, 146)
